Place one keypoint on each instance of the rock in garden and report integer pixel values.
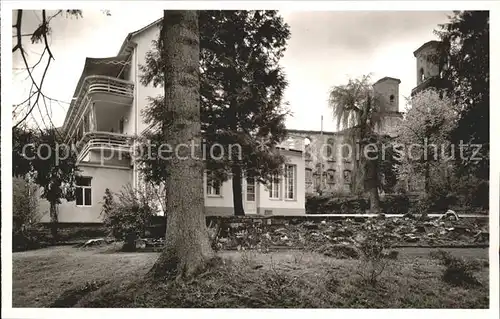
(420, 229)
(450, 215)
(482, 237)
(311, 226)
(411, 238)
(140, 244)
(93, 242)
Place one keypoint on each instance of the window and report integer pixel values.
(329, 148)
(330, 176)
(346, 152)
(422, 76)
(274, 188)
(213, 185)
(308, 175)
(290, 173)
(83, 191)
(391, 98)
(250, 190)
(347, 176)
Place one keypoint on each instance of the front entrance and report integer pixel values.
(250, 197)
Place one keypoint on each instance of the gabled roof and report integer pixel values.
(133, 34)
(386, 78)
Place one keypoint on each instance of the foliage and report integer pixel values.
(21, 138)
(464, 60)
(241, 92)
(39, 155)
(24, 204)
(355, 105)
(372, 246)
(108, 203)
(43, 160)
(458, 271)
(428, 124)
(471, 191)
(328, 204)
(395, 203)
(388, 163)
(129, 215)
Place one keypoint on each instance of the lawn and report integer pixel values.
(102, 277)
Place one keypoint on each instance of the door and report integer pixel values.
(250, 197)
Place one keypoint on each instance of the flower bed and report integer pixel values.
(396, 231)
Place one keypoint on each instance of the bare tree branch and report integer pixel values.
(40, 34)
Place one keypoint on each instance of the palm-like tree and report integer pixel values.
(358, 111)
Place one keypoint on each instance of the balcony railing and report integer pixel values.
(103, 141)
(106, 84)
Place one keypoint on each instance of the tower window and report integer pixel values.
(422, 75)
(391, 98)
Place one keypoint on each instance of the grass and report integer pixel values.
(100, 277)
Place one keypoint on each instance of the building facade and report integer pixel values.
(105, 116)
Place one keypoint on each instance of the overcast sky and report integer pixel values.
(325, 49)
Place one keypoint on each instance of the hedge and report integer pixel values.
(327, 204)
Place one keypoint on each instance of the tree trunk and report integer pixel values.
(187, 244)
(129, 244)
(54, 220)
(427, 180)
(237, 191)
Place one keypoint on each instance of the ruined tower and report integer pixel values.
(428, 72)
(387, 92)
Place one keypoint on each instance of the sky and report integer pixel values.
(326, 48)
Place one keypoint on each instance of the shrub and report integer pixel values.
(472, 192)
(128, 217)
(374, 259)
(395, 203)
(329, 204)
(458, 271)
(26, 230)
(333, 203)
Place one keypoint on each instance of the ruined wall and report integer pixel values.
(329, 160)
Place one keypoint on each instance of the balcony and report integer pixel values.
(102, 94)
(114, 143)
(101, 84)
